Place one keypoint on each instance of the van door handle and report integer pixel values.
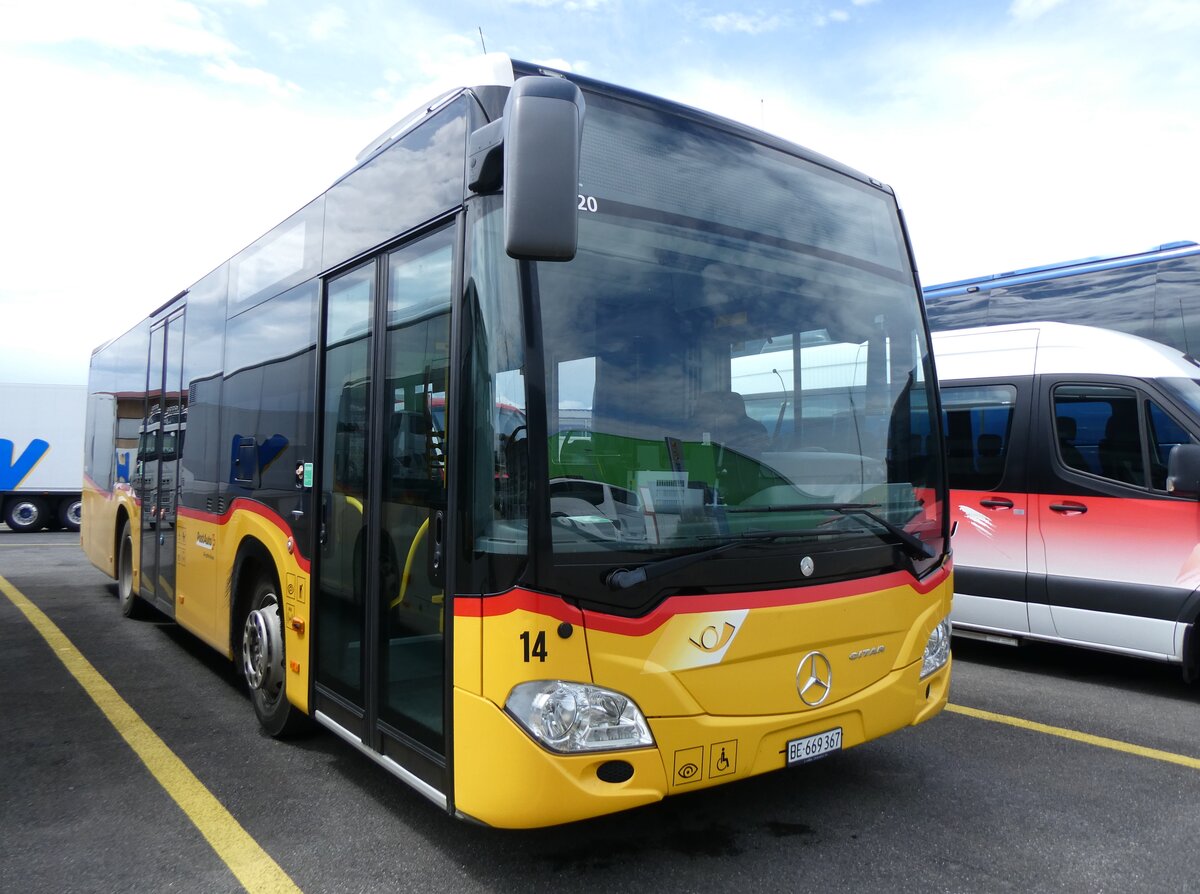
(997, 503)
(1068, 507)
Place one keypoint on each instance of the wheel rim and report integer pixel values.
(75, 512)
(25, 514)
(262, 649)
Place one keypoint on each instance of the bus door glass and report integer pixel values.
(149, 454)
(155, 479)
(411, 563)
(174, 424)
(341, 573)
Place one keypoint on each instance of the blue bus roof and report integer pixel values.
(1061, 269)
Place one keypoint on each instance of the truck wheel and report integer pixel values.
(70, 512)
(263, 663)
(25, 514)
(131, 605)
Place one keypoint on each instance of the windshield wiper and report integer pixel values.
(624, 578)
(914, 547)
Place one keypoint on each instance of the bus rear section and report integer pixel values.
(1072, 454)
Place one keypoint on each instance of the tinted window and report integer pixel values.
(1165, 433)
(412, 181)
(1098, 431)
(978, 424)
(203, 355)
(266, 402)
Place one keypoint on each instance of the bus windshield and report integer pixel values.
(736, 350)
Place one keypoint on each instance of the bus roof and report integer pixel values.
(1025, 349)
(1063, 268)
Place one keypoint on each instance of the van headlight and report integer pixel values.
(576, 717)
(937, 649)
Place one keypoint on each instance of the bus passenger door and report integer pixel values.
(382, 468)
(340, 584)
(412, 680)
(174, 424)
(149, 452)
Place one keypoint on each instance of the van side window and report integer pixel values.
(1164, 433)
(1097, 429)
(978, 424)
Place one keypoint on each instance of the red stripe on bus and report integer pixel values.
(555, 607)
(244, 505)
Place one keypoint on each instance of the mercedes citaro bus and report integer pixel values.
(467, 481)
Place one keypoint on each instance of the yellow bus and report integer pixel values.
(467, 477)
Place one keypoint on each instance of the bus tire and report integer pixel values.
(264, 665)
(70, 512)
(130, 602)
(25, 514)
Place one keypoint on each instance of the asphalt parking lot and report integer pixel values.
(1054, 770)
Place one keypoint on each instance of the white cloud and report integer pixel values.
(1170, 15)
(327, 22)
(567, 5)
(231, 73)
(743, 23)
(1026, 10)
(560, 64)
(170, 26)
(149, 182)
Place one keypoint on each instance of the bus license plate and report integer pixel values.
(801, 751)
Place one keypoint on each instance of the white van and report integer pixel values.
(1074, 465)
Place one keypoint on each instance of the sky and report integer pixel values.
(143, 142)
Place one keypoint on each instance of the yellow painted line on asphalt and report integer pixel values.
(252, 866)
(1099, 741)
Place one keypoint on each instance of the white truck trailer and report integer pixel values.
(41, 455)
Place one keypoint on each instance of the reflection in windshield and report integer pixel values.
(732, 343)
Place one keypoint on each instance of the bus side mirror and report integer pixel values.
(543, 125)
(1183, 470)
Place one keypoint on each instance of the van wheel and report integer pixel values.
(263, 663)
(131, 603)
(25, 514)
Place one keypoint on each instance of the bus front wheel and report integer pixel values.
(263, 663)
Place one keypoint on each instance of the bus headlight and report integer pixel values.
(575, 717)
(937, 649)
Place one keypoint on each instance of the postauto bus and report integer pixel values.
(465, 480)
